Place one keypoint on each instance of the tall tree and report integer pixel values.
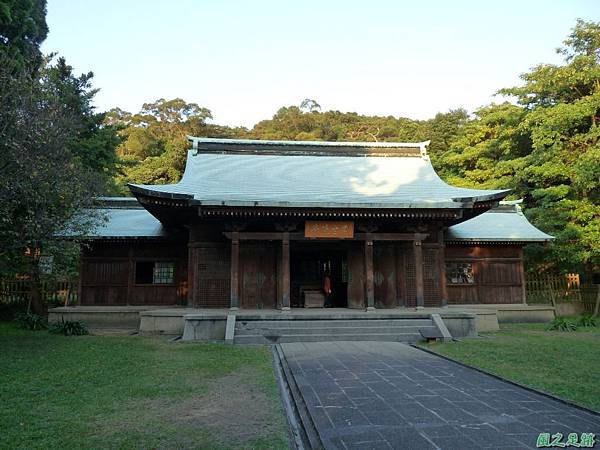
(547, 148)
(308, 122)
(56, 153)
(444, 129)
(22, 29)
(44, 185)
(154, 141)
(93, 141)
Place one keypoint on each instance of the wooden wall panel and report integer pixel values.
(105, 250)
(108, 273)
(431, 278)
(258, 267)
(410, 286)
(499, 282)
(103, 272)
(356, 276)
(385, 281)
(406, 275)
(104, 281)
(104, 295)
(481, 251)
(211, 276)
(500, 294)
(400, 250)
(462, 294)
(153, 295)
(497, 271)
(502, 273)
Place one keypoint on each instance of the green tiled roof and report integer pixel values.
(506, 223)
(240, 173)
(133, 222)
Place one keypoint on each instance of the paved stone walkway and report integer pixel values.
(382, 395)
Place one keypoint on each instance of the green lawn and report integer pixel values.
(561, 363)
(133, 392)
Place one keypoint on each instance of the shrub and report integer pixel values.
(10, 311)
(561, 324)
(31, 321)
(588, 321)
(69, 328)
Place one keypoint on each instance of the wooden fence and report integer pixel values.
(549, 290)
(53, 292)
(590, 297)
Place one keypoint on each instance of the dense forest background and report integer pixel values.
(58, 153)
(543, 144)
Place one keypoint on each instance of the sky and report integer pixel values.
(244, 60)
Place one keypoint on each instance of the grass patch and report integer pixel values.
(566, 364)
(135, 392)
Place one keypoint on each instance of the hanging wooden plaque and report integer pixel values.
(329, 229)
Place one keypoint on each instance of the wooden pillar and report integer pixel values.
(285, 272)
(369, 285)
(82, 261)
(131, 277)
(419, 274)
(442, 267)
(191, 276)
(235, 271)
(523, 284)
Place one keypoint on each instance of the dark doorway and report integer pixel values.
(308, 263)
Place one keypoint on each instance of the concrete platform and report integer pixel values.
(101, 317)
(210, 324)
(170, 320)
(513, 313)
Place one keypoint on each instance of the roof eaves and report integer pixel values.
(305, 204)
(496, 195)
(486, 239)
(137, 189)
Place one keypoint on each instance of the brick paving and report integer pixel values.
(387, 395)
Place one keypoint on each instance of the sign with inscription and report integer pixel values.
(329, 229)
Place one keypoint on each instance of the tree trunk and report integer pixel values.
(35, 291)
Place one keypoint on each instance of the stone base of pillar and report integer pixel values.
(420, 307)
(286, 309)
(234, 308)
(371, 308)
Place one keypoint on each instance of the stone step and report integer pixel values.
(374, 323)
(385, 337)
(332, 329)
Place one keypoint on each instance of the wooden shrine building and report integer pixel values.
(256, 224)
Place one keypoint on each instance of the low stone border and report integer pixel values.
(514, 383)
(303, 432)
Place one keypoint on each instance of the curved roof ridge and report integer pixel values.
(360, 144)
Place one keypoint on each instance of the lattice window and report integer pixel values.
(214, 292)
(213, 280)
(154, 272)
(431, 279)
(163, 273)
(459, 273)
